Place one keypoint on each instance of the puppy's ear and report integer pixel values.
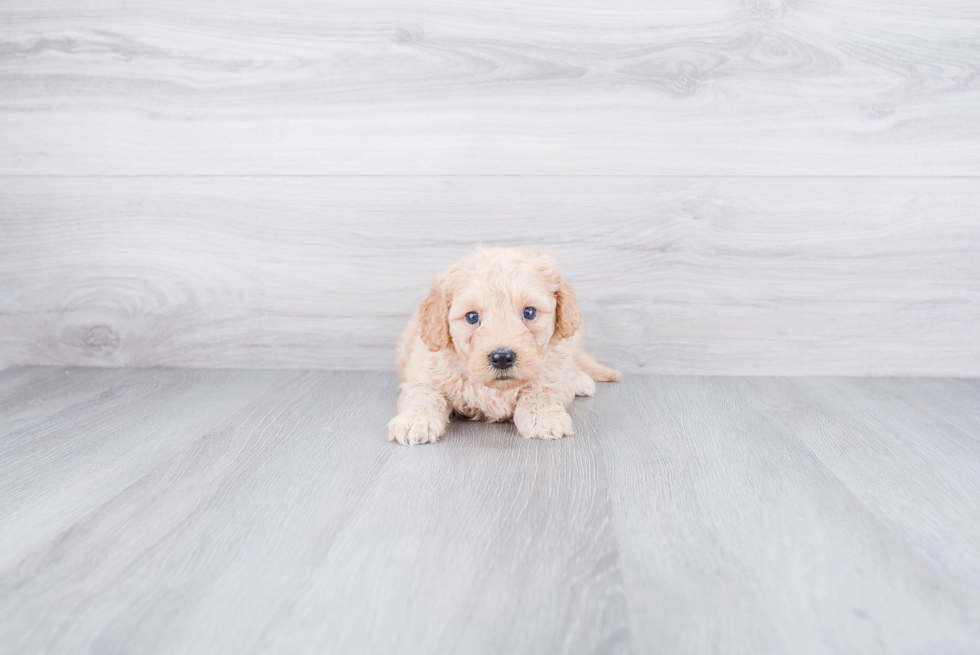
(568, 317)
(434, 320)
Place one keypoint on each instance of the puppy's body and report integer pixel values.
(446, 372)
(449, 362)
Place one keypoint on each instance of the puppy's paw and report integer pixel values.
(548, 423)
(583, 384)
(413, 428)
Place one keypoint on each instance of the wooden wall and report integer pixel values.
(755, 187)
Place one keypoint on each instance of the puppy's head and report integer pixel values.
(499, 309)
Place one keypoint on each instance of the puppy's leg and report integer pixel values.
(423, 415)
(582, 383)
(596, 371)
(541, 413)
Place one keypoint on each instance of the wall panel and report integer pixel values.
(675, 275)
(181, 87)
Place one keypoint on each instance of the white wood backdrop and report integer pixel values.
(625, 87)
(734, 187)
(735, 275)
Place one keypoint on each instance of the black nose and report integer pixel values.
(502, 359)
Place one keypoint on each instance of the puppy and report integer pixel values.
(498, 337)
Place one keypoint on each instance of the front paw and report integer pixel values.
(413, 427)
(583, 384)
(547, 423)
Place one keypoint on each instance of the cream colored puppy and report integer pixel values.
(497, 338)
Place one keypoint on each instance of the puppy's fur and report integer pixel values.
(444, 361)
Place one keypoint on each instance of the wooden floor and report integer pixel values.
(155, 510)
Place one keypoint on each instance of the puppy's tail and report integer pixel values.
(594, 369)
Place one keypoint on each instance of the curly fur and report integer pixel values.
(444, 362)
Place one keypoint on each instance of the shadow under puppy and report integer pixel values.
(498, 337)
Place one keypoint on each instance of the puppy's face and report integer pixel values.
(500, 310)
(502, 326)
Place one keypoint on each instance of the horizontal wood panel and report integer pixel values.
(675, 275)
(484, 87)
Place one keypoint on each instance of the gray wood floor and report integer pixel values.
(216, 511)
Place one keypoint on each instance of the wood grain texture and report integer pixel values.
(763, 87)
(240, 512)
(165, 511)
(679, 275)
(797, 515)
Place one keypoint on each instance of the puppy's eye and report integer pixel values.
(472, 318)
(530, 313)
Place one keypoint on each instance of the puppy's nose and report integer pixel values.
(502, 359)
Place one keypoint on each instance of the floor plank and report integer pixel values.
(231, 511)
(284, 521)
(802, 515)
(766, 87)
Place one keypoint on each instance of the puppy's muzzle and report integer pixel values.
(502, 359)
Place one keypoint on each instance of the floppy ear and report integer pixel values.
(434, 320)
(568, 317)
